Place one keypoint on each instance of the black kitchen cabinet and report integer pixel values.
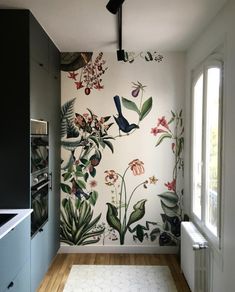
(30, 88)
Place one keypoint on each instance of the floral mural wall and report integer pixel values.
(122, 149)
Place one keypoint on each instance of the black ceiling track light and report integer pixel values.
(115, 6)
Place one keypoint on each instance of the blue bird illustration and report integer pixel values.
(121, 121)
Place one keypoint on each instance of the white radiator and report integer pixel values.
(195, 258)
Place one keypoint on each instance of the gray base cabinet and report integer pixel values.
(15, 259)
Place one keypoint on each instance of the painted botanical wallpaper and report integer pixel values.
(122, 141)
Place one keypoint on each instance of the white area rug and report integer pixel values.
(117, 278)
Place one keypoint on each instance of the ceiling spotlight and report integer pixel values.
(114, 5)
(120, 55)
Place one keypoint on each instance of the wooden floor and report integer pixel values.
(56, 276)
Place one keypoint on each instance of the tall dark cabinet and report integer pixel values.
(30, 88)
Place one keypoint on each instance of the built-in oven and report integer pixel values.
(39, 202)
(39, 174)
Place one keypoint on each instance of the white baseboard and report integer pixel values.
(132, 249)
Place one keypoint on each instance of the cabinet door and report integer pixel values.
(38, 91)
(54, 166)
(39, 43)
(39, 257)
(14, 252)
(54, 60)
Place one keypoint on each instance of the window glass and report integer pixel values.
(212, 148)
(197, 147)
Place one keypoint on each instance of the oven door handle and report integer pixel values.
(42, 186)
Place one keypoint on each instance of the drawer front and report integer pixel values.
(39, 257)
(22, 281)
(14, 252)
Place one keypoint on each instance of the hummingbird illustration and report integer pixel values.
(121, 121)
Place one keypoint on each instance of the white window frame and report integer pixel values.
(215, 60)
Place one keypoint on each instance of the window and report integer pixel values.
(206, 146)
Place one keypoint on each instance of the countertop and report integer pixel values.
(13, 222)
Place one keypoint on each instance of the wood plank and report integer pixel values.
(57, 274)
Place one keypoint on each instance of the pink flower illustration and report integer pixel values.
(156, 131)
(163, 122)
(171, 185)
(93, 183)
(137, 167)
(86, 115)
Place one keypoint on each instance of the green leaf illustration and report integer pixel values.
(171, 120)
(71, 143)
(66, 114)
(170, 199)
(106, 118)
(109, 144)
(154, 234)
(171, 212)
(66, 175)
(138, 213)
(146, 108)
(112, 218)
(163, 137)
(76, 225)
(130, 105)
(79, 173)
(95, 140)
(84, 213)
(173, 114)
(92, 172)
(72, 130)
(69, 163)
(81, 184)
(65, 188)
(180, 146)
(93, 198)
(84, 161)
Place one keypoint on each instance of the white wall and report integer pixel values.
(220, 31)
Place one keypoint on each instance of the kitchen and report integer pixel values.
(34, 83)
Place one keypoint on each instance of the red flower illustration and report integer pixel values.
(137, 167)
(163, 122)
(156, 131)
(72, 75)
(79, 84)
(98, 86)
(111, 177)
(171, 185)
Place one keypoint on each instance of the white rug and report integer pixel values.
(117, 278)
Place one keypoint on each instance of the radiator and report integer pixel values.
(195, 258)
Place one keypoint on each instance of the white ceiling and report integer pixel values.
(86, 25)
